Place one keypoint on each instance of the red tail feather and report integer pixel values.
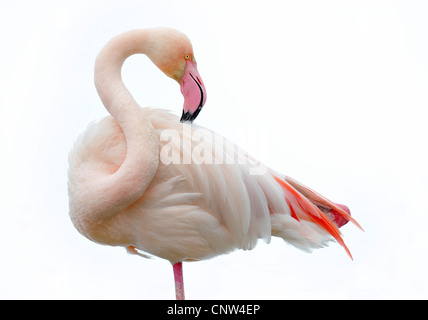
(303, 209)
(338, 210)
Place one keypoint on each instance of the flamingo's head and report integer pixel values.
(172, 52)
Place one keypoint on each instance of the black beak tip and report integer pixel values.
(187, 117)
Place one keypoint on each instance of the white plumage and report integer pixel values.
(190, 211)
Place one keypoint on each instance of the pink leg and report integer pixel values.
(179, 285)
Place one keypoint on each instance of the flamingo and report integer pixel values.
(130, 184)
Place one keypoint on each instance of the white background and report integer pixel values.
(332, 93)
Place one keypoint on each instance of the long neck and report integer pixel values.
(117, 191)
(108, 80)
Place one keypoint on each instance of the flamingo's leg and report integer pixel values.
(178, 277)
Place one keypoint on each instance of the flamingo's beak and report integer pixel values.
(193, 90)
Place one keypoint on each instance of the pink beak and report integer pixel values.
(194, 92)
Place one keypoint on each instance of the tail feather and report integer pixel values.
(318, 199)
(302, 208)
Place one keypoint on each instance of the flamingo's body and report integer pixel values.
(124, 190)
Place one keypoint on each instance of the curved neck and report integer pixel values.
(126, 185)
(108, 65)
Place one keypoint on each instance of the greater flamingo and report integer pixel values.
(140, 179)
